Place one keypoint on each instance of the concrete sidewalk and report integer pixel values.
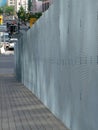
(19, 108)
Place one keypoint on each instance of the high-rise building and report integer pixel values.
(40, 5)
(33, 6)
(19, 3)
(10, 2)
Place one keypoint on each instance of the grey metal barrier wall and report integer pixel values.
(57, 59)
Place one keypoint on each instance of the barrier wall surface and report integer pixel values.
(57, 59)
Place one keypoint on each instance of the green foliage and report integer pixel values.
(22, 14)
(36, 15)
(1, 10)
(7, 10)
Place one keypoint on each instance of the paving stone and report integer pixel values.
(19, 108)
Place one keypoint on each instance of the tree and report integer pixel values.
(1, 10)
(9, 10)
(35, 15)
(22, 14)
(25, 17)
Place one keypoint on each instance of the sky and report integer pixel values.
(3, 2)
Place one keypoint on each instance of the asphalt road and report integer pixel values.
(6, 64)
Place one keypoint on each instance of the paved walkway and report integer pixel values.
(19, 108)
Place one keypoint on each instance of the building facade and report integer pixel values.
(40, 5)
(11, 2)
(19, 3)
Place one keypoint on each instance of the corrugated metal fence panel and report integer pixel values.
(59, 62)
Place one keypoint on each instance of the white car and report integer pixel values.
(12, 43)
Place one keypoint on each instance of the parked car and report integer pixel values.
(12, 43)
(4, 39)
